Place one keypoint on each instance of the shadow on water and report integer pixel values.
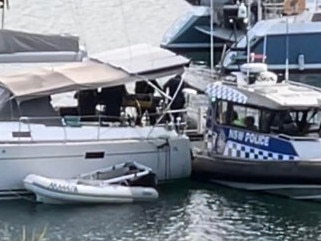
(185, 211)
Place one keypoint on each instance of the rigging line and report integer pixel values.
(167, 107)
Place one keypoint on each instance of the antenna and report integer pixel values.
(287, 50)
(259, 10)
(212, 37)
(3, 5)
(248, 49)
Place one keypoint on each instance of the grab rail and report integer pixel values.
(298, 138)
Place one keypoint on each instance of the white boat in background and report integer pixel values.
(24, 47)
(37, 139)
(122, 183)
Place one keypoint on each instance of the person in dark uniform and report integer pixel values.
(142, 87)
(112, 98)
(179, 101)
(87, 101)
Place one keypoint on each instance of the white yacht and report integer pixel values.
(38, 139)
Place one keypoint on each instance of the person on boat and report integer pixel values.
(87, 102)
(249, 123)
(284, 123)
(174, 85)
(112, 98)
(142, 87)
(236, 120)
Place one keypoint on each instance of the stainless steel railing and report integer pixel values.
(24, 132)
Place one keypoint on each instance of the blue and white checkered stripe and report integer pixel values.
(224, 92)
(234, 149)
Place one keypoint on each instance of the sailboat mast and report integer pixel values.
(259, 10)
(287, 50)
(2, 4)
(211, 36)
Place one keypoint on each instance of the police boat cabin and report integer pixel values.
(262, 134)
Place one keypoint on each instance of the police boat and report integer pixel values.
(122, 183)
(262, 134)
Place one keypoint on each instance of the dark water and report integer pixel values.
(185, 211)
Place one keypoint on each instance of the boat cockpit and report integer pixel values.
(111, 105)
(108, 106)
(94, 91)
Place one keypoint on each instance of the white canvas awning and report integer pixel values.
(142, 59)
(115, 69)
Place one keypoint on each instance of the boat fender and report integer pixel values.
(242, 11)
(301, 62)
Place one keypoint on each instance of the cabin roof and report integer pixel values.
(287, 95)
(303, 23)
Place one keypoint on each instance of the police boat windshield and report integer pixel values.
(303, 122)
(296, 122)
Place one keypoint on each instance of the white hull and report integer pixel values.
(59, 191)
(168, 156)
(294, 191)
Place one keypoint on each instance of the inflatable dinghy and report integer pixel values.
(122, 183)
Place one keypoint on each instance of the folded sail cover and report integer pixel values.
(15, 41)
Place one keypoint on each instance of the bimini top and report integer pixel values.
(284, 95)
(111, 69)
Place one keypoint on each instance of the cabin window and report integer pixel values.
(258, 47)
(296, 122)
(239, 116)
(245, 117)
(305, 122)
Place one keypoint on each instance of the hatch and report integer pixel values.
(316, 17)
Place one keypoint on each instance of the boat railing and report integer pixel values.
(24, 132)
(182, 124)
(273, 9)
